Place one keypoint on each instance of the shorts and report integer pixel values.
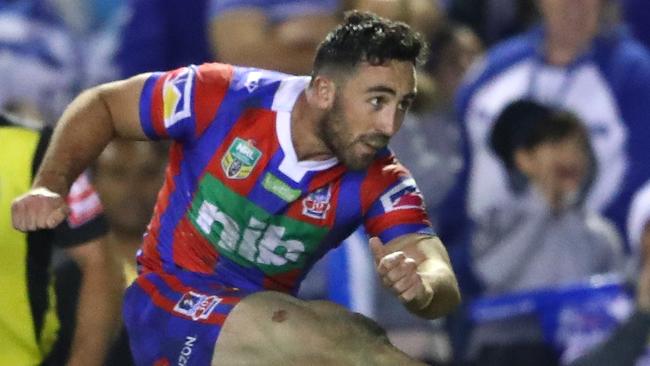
(176, 319)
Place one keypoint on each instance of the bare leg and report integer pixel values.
(278, 329)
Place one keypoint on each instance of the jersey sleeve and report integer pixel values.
(85, 221)
(392, 203)
(182, 103)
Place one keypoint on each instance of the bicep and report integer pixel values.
(122, 100)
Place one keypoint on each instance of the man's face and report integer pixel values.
(557, 168)
(574, 21)
(369, 107)
(128, 175)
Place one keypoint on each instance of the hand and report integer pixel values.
(399, 274)
(37, 209)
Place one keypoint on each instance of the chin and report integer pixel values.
(359, 162)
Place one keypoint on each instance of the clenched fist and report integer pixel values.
(37, 209)
(399, 273)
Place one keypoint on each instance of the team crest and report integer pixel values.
(240, 159)
(316, 204)
(196, 306)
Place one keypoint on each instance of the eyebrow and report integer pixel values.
(382, 88)
(391, 91)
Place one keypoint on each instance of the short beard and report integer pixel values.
(331, 132)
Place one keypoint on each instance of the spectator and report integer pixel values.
(272, 34)
(543, 238)
(493, 20)
(30, 323)
(128, 175)
(577, 60)
(546, 154)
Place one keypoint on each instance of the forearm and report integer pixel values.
(79, 137)
(98, 311)
(86, 127)
(441, 287)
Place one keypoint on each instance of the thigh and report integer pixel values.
(271, 328)
(278, 329)
(173, 321)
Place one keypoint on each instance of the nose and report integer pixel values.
(388, 122)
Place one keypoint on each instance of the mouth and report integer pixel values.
(371, 147)
(375, 143)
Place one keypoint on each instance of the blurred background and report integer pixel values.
(547, 224)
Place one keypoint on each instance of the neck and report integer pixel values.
(561, 51)
(305, 120)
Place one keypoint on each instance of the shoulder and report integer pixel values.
(621, 58)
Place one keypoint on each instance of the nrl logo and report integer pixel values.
(240, 159)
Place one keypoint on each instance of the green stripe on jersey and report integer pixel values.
(247, 234)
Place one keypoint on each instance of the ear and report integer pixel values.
(323, 91)
(523, 161)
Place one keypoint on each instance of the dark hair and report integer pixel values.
(366, 37)
(525, 124)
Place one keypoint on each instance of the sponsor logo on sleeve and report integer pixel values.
(177, 97)
(317, 203)
(403, 196)
(196, 306)
(240, 159)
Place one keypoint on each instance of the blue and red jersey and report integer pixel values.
(236, 202)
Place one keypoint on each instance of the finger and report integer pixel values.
(56, 218)
(31, 214)
(17, 216)
(390, 261)
(414, 292)
(404, 269)
(377, 248)
(405, 283)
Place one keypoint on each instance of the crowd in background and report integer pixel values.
(529, 140)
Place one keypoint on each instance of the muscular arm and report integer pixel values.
(98, 309)
(417, 269)
(87, 125)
